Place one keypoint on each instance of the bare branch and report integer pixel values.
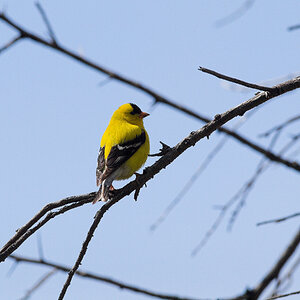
(104, 81)
(162, 163)
(280, 126)
(255, 293)
(274, 272)
(237, 88)
(187, 185)
(84, 247)
(42, 280)
(40, 246)
(25, 231)
(242, 194)
(97, 277)
(236, 14)
(210, 232)
(11, 43)
(157, 97)
(294, 27)
(47, 22)
(237, 81)
(195, 176)
(171, 155)
(164, 149)
(283, 296)
(262, 167)
(286, 278)
(279, 219)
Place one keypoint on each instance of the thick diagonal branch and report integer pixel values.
(172, 154)
(164, 161)
(156, 96)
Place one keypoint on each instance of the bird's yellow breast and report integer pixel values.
(117, 133)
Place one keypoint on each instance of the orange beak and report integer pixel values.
(143, 115)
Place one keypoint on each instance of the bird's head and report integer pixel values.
(131, 113)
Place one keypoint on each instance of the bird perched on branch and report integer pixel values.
(124, 148)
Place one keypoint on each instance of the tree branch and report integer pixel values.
(241, 194)
(42, 280)
(164, 161)
(285, 279)
(94, 276)
(47, 22)
(283, 296)
(280, 126)
(157, 97)
(84, 247)
(172, 154)
(235, 80)
(189, 184)
(294, 27)
(279, 219)
(11, 43)
(236, 14)
(274, 272)
(24, 232)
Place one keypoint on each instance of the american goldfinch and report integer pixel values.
(124, 148)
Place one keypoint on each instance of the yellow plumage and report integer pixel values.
(124, 148)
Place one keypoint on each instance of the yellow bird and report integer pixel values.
(124, 148)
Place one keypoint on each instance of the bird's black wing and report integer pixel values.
(122, 152)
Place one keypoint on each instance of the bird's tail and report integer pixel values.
(102, 194)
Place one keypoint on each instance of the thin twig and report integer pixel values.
(97, 277)
(269, 82)
(11, 43)
(274, 272)
(294, 27)
(40, 247)
(195, 176)
(42, 280)
(157, 97)
(209, 232)
(162, 151)
(283, 296)
(262, 167)
(254, 294)
(280, 126)
(249, 185)
(279, 219)
(25, 231)
(169, 157)
(236, 14)
(104, 81)
(84, 247)
(242, 194)
(237, 81)
(47, 22)
(285, 278)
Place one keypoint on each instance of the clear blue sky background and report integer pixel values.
(53, 113)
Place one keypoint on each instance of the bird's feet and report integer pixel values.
(111, 192)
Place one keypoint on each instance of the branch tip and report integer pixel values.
(237, 81)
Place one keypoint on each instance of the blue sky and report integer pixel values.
(53, 113)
